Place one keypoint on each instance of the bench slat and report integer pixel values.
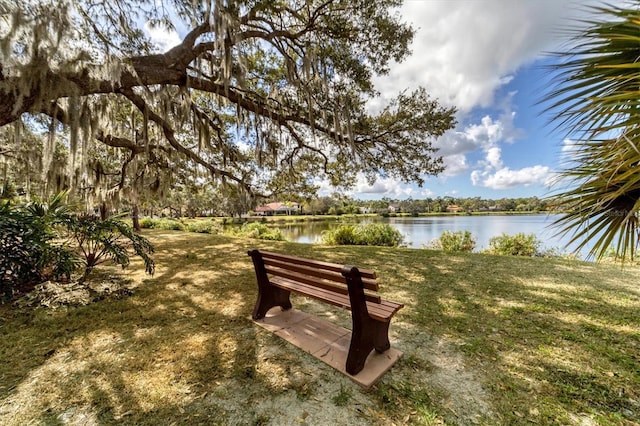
(374, 298)
(365, 273)
(382, 312)
(368, 283)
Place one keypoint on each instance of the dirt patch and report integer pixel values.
(437, 364)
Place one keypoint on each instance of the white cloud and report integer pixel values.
(382, 186)
(494, 174)
(494, 159)
(427, 193)
(568, 145)
(486, 136)
(454, 145)
(455, 164)
(487, 133)
(464, 50)
(506, 178)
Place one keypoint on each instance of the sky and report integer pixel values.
(487, 58)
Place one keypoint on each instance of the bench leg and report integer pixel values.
(359, 349)
(381, 339)
(269, 298)
(366, 335)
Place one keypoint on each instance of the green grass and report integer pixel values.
(486, 340)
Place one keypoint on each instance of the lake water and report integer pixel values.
(420, 231)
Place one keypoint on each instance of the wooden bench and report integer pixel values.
(340, 285)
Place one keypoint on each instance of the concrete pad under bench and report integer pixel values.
(327, 342)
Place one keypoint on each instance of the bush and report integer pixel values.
(343, 235)
(147, 223)
(30, 251)
(372, 234)
(203, 227)
(378, 234)
(555, 252)
(163, 224)
(514, 245)
(111, 239)
(47, 241)
(458, 241)
(259, 231)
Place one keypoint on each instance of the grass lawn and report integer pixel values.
(486, 340)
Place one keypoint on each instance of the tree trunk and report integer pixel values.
(103, 211)
(135, 215)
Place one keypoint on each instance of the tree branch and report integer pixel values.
(169, 134)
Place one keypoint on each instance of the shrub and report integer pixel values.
(147, 223)
(514, 245)
(372, 234)
(30, 252)
(47, 241)
(110, 239)
(458, 241)
(163, 224)
(378, 234)
(203, 227)
(343, 235)
(259, 231)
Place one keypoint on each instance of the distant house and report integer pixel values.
(273, 209)
(452, 208)
(393, 208)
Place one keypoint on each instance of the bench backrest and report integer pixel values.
(324, 275)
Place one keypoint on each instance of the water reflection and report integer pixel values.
(420, 231)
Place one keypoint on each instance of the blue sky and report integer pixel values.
(486, 57)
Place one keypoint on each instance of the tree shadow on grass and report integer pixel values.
(168, 352)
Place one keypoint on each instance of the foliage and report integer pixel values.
(458, 241)
(110, 239)
(30, 252)
(343, 396)
(342, 235)
(165, 224)
(596, 101)
(261, 74)
(338, 203)
(202, 227)
(371, 234)
(378, 234)
(48, 241)
(557, 252)
(514, 245)
(259, 231)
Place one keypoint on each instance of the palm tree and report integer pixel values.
(596, 100)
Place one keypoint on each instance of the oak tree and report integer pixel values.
(268, 96)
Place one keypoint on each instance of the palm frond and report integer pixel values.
(596, 97)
